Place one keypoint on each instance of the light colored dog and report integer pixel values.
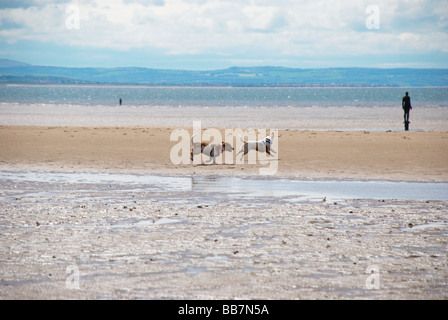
(211, 150)
(263, 145)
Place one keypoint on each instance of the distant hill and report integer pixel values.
(5, 63)
(17, 72)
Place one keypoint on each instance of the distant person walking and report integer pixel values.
(406, 104)
(120, 101)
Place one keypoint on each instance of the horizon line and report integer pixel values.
(26, 64)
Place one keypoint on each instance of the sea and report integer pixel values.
(371, 108)
(222, 96)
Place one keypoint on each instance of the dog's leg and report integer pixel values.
(193, 147)
(197, 150)
(215, 153)
(244, 149)
(210, 159)
(241, 150)
(211, 154)
(192, 152)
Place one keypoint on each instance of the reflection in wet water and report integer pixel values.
(271, 189)
(209, 189)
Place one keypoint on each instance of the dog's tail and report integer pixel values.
(241, 138)
(193, 137)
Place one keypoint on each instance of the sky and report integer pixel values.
(217, 34)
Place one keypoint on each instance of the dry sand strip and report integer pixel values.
(406, 156)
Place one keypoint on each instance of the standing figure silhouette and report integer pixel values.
(406, 104)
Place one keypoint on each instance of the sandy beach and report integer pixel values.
(398, 155)
(318, 134)
(109, 240)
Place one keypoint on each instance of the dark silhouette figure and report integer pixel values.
(406, 104)
(120, 101)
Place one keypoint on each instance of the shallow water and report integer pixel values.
(212, 189)
(315, 189)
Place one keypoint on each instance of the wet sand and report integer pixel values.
(136, 243)
(139, 243)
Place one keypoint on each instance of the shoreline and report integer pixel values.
(313, 118)
(43, 169)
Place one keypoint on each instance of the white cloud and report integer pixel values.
(295, 28)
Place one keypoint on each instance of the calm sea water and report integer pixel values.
(181, 96)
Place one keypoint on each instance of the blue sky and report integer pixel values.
(215, 34)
